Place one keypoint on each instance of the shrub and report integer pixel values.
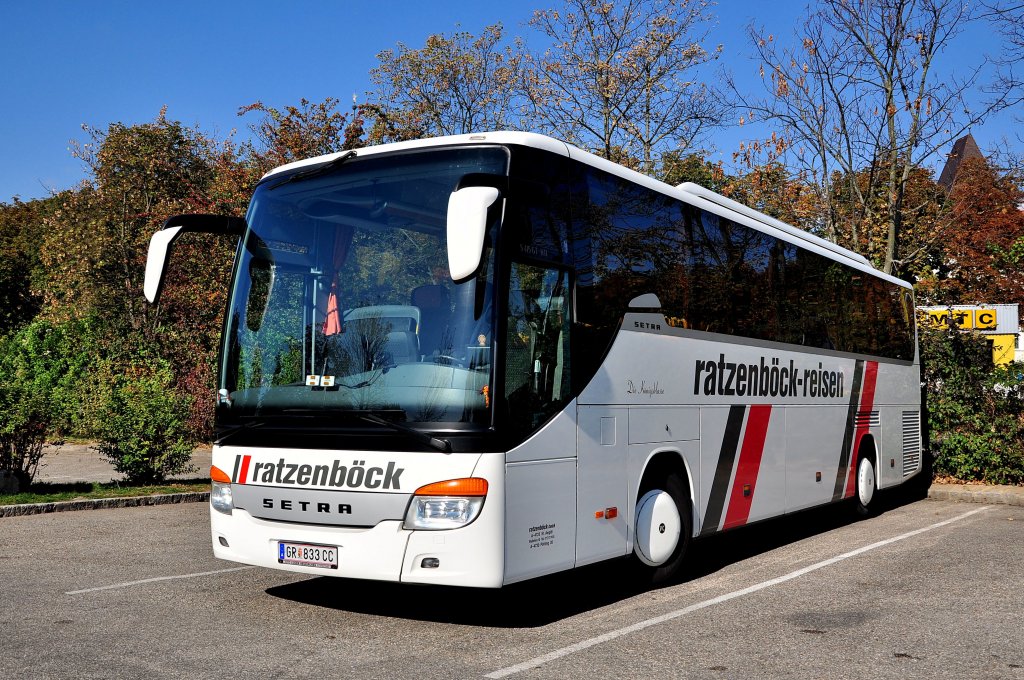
(975, 410)
(144, 431)
(38, 372)
(25, 416)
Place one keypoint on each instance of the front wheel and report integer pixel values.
(866, 486)
(662, 529)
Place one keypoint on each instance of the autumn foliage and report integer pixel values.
(979, 257)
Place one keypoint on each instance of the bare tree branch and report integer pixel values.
(860, 106)
(619, 78)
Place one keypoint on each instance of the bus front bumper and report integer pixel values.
(471, 556)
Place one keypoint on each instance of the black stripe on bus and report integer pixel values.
(234, 474)
(720, 485)
(851, 418)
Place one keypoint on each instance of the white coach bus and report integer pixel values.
(474, 360)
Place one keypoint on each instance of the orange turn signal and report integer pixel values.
(467, 486)
(218, 475)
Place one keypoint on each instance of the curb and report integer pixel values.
(1001, 495)
(103, 503)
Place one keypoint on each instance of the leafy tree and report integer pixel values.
(770, 189)
(979, 258)
(924, 222)
(452, 85)
(96, 242)
(23, 430)
(96, 239)
(678, 167)
(303, 131)
(621, 78)
(21, 276)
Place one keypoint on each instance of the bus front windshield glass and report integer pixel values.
(343, 304)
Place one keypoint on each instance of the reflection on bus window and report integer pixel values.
(537, 349)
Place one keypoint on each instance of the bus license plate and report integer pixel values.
(308, 555)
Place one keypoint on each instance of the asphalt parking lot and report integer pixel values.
(928, 589)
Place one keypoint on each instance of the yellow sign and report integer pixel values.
(985, 319)
(980, 319)
(1002, 348)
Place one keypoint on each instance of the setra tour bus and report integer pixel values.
(478, 359)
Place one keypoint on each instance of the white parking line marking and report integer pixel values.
(612, 635)
(154, 580)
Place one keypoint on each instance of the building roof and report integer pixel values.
(963, 148)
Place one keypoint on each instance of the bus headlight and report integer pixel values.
(220, 493)
(446, 505)
(220, 498)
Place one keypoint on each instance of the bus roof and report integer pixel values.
(698, 190)
(688, 192)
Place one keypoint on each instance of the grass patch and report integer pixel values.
(52, 493)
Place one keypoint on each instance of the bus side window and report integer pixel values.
(537, 345)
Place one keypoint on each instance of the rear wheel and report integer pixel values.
(662, 529)
(866, 486)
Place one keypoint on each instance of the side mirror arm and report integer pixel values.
(173, 227)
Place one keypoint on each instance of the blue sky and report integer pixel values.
(69, 63)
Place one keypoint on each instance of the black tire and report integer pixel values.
(670, 569)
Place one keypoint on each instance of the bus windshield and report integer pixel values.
(342, 302)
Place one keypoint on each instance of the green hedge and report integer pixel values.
(144, 431)
(43, 367)
(975, 409)
(55, 380)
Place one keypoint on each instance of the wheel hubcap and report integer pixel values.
(865, 481)
(657, 529)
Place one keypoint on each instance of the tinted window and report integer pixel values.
(713, 274)
(627, 241)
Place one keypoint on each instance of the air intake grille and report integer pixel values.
(911, 442)
(867, 419)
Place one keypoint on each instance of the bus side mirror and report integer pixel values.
(160, 244)
(467, 228)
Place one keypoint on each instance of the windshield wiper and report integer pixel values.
(313, 172)
(442, 445)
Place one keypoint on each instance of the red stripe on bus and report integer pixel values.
(749, 465)
(723, 469)
(867, 402)
(244, 474)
